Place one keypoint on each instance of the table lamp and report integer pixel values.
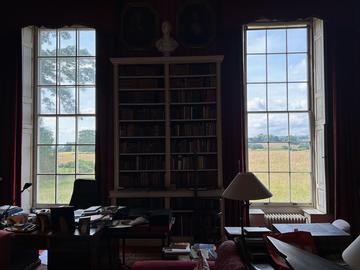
(244, 187)
(351, 254)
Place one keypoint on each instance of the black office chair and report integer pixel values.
(85, 194)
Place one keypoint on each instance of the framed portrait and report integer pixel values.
(84, 225)
(139, 26)
(196, 24)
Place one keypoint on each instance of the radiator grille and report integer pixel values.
(272, 218)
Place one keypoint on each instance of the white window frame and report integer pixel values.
(318, 180)
(56, 115)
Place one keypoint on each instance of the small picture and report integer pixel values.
(196, 24)
(139, 26)
(84, 225)
(43, 220)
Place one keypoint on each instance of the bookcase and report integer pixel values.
(168, 138)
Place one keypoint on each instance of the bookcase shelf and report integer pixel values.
(168, 137)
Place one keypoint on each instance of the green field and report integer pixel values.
(66, 165)
(259, 161)
(279, 163)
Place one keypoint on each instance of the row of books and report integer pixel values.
(203, 179)
(143, 146)
(193, 82)
(142, 163)
(141, 97)
(141, 70)
(142, 180)
(184, 69)
(140, 113)
(194, 129)
(194, 145)
(141, 129)
(152, 203)
(193, 112)
(134, 83)
(188, 203)
(197, 95)
(193, 162)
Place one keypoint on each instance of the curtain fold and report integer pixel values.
(233, 119)
(11, 118)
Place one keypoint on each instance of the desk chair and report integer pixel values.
(300, 239)
(85, 194)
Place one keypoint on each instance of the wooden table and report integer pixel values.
(300, 259)
(328, 238)
(63, 249)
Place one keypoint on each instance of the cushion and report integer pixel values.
(228, 257)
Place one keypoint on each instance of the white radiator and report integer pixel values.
(273, 218)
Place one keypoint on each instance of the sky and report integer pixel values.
(277, 81)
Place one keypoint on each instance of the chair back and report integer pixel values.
(85, 194)
(300, 239)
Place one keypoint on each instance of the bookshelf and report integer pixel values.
(168, 137)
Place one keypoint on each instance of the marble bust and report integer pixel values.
(166, 44)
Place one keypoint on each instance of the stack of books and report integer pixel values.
(176, 249)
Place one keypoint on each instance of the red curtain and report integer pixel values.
(10, 118)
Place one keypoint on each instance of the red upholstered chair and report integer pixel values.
(300, 239)
(5, 249)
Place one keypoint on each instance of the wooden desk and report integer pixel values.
(300, 259)
(64, 249)
(328, 238)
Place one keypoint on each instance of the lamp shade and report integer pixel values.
(246, 186)
(351, 254)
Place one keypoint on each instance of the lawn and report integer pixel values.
(298, 189)
(259, 160)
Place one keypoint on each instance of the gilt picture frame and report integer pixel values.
(139, 26)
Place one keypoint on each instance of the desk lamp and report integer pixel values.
(351, 254)
(244, 187)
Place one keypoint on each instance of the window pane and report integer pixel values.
(66, 159)
(46, 159)
(299, 127)
(65, 185)
(301, 187)
(276, 68)
(47, 43)
(279, 187)
(277, 97)
(67, 100)
(86, 71)
(66, 130)
(256, 68)
(86, 129)
(257, 127)
(278, 127)
(300, 157)
(47, 71)
(298, 96)
(86, 159)
(276, 41)
(256, 97)
(47, 100)
(258, 157)
(297, 67)
(279, 157)
(297, 40)
(264, 178)
(87, 100)
(67, 42)
(67, 71)
(46, 130)
(255, 41)
(46, 189)
(86, 43)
